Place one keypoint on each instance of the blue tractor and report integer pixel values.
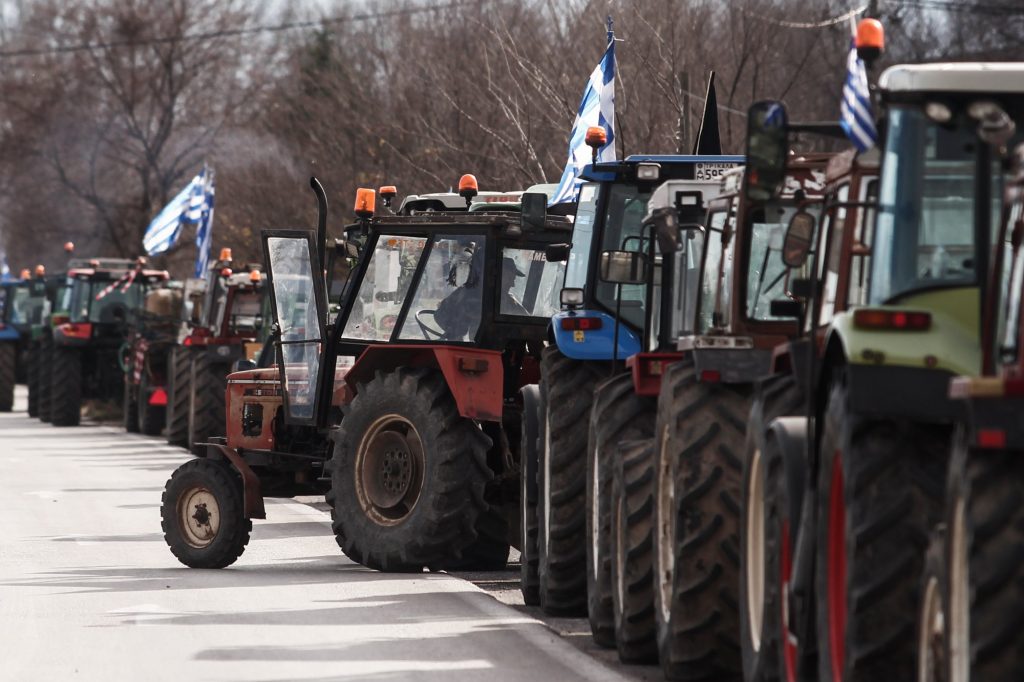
(603, 322)
(21, 305)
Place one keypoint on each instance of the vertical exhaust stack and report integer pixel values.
(321, 220)
(709, 141)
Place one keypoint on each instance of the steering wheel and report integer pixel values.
(427, 330)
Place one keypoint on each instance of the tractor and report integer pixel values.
(40, 343)
(101, 294)
(868, 456)
(973, 586)
(601, 323)
(21, 306)
(409, 424)
(145, 359)
(225, 323)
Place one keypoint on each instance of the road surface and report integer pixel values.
(89, 590)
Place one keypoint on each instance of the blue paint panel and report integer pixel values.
(9, 334)
(594, 345)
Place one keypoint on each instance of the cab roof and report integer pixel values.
(437, 220)
(980, 77)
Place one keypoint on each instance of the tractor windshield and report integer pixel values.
(925, 231)
(449, 297)
(24, 308)
(626, 208)
(100, 301)
(384, 287)
(766, 274)
(582, 236)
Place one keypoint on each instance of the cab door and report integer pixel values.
(299, 308)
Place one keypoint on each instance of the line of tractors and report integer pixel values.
(755, 416)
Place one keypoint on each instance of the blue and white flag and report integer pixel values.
(202, 209)
(165, 228)
(596, 109)
(855, 111)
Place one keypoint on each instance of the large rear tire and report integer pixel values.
(618, 414)
(568, 392)
(700, 435)
(879, 495)
(203, 516)
(766, 528)
(208, 385)
(407, 475)
(8, 372)
(178, 395)
(529, 448)
(66, 387)
(632, 549)
(32, 359)
(45, 378)
(985, 564)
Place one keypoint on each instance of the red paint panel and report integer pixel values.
(158, 397)
(647, 370)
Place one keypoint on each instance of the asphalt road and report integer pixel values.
(89, 591)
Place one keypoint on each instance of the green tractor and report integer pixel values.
(869, 458)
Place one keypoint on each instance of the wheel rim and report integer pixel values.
(595, 515)
(754, 550)
(198, 517)
(389, 470)
(546, 496)
(837, 569)
(786, 573)
(929, 644)
(666, 524)
(959, 597)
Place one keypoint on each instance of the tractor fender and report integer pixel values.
(252, 492)
(8, 333)
(475, 377)
(595, 343)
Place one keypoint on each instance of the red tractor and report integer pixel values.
(405, 408)
(145, 359)
(229, 327)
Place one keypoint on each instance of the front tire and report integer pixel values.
(700, 434)
(879, 495)
(66, 387)
(203, 516)
(407, 475)
(130, 405)
(567, 388)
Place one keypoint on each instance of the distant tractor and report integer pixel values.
(146, 359)
(101, 294)
(21, 306)
(410, 424)
(40, 344)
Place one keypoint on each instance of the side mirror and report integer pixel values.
(557, 253)
(623, 267)
(343, 247)
(799, 235)
(534, 209)
(767, 150)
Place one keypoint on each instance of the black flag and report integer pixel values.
(708, 141)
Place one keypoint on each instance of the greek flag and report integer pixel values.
(201, 208)
(165, 228)
(855, 111)
(596, 109)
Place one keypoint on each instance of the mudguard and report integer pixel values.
(594, 344)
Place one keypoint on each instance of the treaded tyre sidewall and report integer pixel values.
(8, 374)
(45, 379)
(875, 512)
(431, 528)
(985, 563)
(701, 430)
(567, 388)
(530, 444)
(632, 544)
(765, 646)
(130, 404)
(224, 485)
(66, 387)
(617, 415)
(178, 395)
(208, 385)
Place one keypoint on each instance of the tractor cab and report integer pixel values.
(450, 280)
(101, 294)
